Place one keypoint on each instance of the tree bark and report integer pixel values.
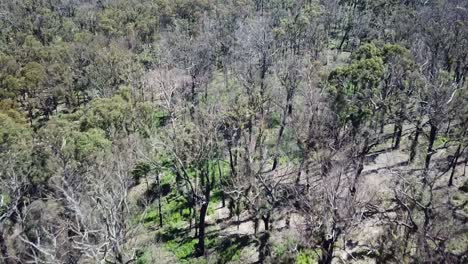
(414, 143)
(432, 138)
(286, 113)
(221, 186)
(266, 221)
(454, 164)
(398, 133)
(4, 249)
(159, 201)
(327, 251)
(200, 251)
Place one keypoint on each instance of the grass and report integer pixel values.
(308, 256)
(175, 234)
(440, 141)
(144, 258)
(232, 253)
(230, 248)
(182, 248)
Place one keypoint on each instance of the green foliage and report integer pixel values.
(275, 120)
(357, 88)
(108, 114)
(307, 257)
(34, 74)
(90, 142)
(141, 170)
(143, 259)
(65, 137)
(441, 140)
(182, 249)
(120, 115)
(230, 254)
(14, 133)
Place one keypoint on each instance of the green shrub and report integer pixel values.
(307, 257)
(441, 140)
(182, 250)
(231, 253)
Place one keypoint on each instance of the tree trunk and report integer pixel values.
(414, 143)
(360, 165)
(221, 186)
(454, 164)
(266, 221)
(232, 160)
(191, 217)
(327, 251)
(299, 172)
(159, 201)
(200, 251)
(264, 249)
(286, 113)
(432, 138)
(4, 249)
(280, 135)
(345, 37)
(231, 207)
(255, 220)
(398, 133)
(448, 127)
(382, 122)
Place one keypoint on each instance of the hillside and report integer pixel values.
(233, 131)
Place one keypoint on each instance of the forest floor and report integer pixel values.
(233, 240)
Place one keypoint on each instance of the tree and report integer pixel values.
(193, 148)
(15, 174)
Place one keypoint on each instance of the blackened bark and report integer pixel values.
(232, 161)
(200, 251)
(221, 185)
(432, 138)
(231, 207)
(327, 251)
(454, 164)
(345, 37)
(159, 201)
(414, 143)
(4, 250)
(264, 249)
(382, 121)
(360, 164)
(286, 113)
(255, 220)
(266, 221)
(398, 133)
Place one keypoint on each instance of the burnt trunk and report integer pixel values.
(200, 251)
(266, 221)
(159, 201)
(286, 113)
(414, 143)
(264, 249)
(398, 133)
(4, 250)
(432, 138)
(454, 164)
(280, 135)
(345, 37)
(327, 251)
(382, 122)
(221, 185)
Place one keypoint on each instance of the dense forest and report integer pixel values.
(233, 131)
